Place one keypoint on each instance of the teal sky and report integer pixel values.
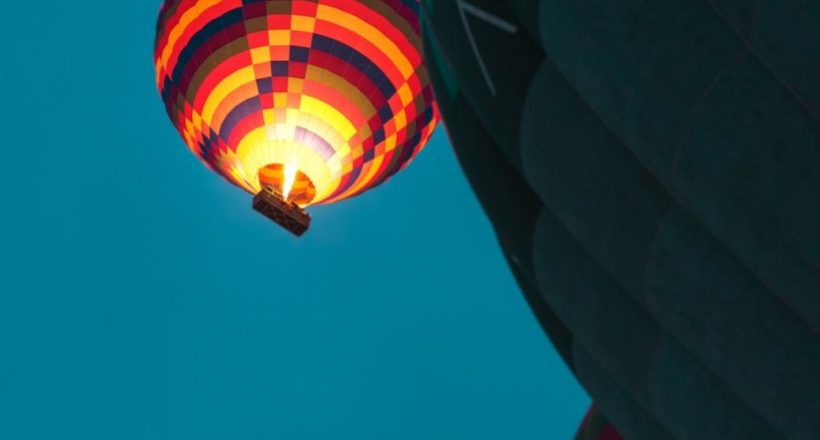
(142, 298)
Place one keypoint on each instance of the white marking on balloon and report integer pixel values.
(465, 8)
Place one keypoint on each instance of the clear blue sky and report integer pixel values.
(142, 298)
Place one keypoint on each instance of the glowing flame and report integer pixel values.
(290, 179)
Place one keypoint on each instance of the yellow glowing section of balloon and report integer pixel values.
(276, 143)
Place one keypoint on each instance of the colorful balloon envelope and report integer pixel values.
(316, 100)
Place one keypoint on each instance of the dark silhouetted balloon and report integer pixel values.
(652, 169)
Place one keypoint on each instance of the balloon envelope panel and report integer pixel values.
(335, 89)
(596, 427)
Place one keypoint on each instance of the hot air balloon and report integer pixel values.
(298, 102)
(652, 170)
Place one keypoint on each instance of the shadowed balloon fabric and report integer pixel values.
(651, 169)
(331, 92)
(596, 427)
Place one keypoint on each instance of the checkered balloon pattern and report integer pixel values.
(334, 90)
